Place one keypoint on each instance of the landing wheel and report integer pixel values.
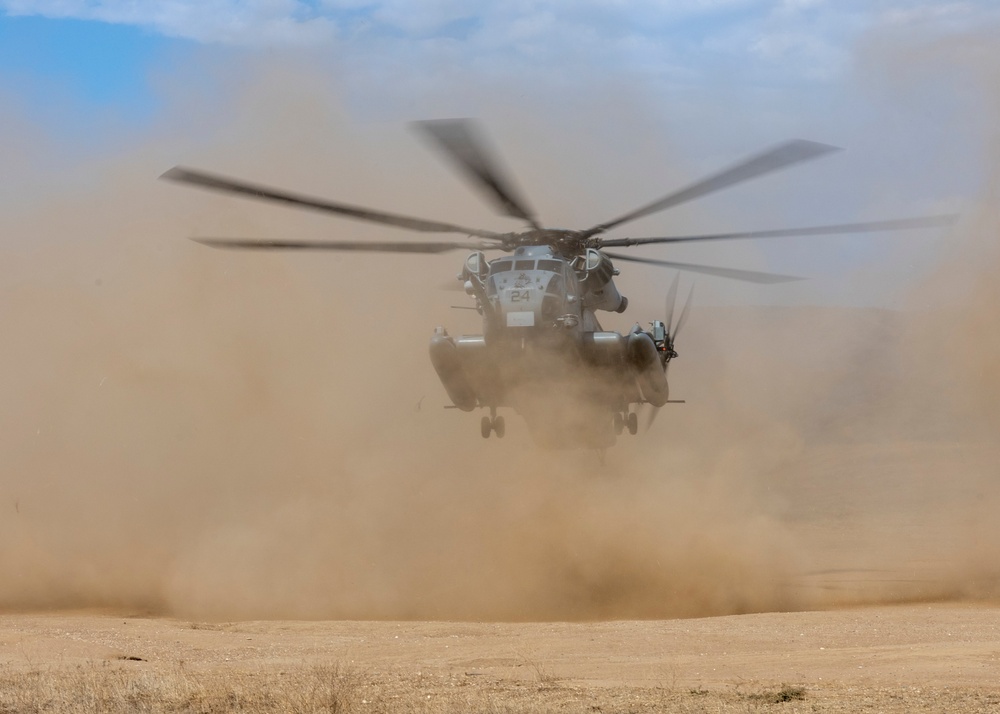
(486, 426)
(633, 423)
(499, 426)
(619, 423)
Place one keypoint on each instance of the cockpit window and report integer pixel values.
(524, 265)
(553, 266)
(500, 266)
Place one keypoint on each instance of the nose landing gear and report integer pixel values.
(493, 424)
(629, 420)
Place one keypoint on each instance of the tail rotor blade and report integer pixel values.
(671, 334)
(685, 311)
(652, 417)
(671, 302)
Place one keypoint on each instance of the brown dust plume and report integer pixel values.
(214, 435)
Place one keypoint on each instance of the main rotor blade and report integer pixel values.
(229, 185)
(749, 276)
(464, 145)
(393, 247)
(787, 154)
(867, 227)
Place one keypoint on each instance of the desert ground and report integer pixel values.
(917, 657)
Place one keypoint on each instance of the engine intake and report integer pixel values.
(602, 294)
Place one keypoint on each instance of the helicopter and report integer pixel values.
(543, 351)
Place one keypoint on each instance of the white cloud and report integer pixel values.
(305, 22)
(914, 13)
(232, 22)
(805, 40)
(797, 5)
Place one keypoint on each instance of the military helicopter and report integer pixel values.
(543, 351)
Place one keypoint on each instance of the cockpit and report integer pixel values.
(507, 264)
(530, 292)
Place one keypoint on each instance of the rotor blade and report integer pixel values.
(749, 276)
(228, 185)
(787, 154)
(652, 417)
(464, 145)
(382, 247)
(684, 313)
(672, 301)
(898, 224)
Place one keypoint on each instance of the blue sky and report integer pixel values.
(900, 83)
(97, 64)
(103, 52)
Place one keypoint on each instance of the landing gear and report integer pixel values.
(492, 423)
(623, 420)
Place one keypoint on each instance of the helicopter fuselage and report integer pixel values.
(543, 351)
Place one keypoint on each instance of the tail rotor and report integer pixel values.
(671, 332)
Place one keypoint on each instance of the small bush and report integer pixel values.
(787, 693)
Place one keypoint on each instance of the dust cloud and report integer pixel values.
(223, 436)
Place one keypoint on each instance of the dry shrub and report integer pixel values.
(109, 687)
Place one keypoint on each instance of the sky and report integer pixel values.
(898, 83)
(104, 51)
(105, 48)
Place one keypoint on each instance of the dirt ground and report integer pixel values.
(933, 657)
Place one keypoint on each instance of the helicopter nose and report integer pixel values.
(521, 306)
